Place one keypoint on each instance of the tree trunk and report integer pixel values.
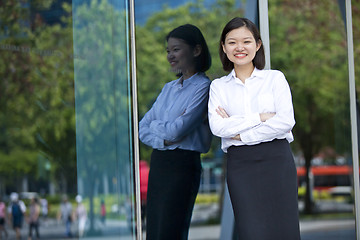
(307, 147)
(308, 196)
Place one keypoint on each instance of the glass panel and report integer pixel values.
(65, 103)
(103, 117)
(154, 20)
(308, 44)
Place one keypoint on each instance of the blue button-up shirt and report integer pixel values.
(179, 115)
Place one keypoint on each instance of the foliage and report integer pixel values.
(207, 198)
(308, 44)
(37, 99)
(355, 5)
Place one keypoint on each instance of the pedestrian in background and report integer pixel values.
(65, 215)
(103, 211)
(176, 127)
(34, 214)
(44, 210)
(16, 210)
(3, 219)
(251, 110)
(81, 215)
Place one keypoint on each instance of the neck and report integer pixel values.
(187, 74)
(244, 72)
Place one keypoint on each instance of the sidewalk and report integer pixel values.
(307, 226)
(310, 230)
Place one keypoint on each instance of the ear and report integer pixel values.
(223, 47)
(258, 45)
(197, 50)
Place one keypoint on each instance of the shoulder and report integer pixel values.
(201, 79)
(221, 81)
(170, 84)
(275, 76)
(272, 73)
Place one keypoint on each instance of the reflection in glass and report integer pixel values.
(37, 107)
(104, 149)
(177, 129)
(56, 55)
(153, 73)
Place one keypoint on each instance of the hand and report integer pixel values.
(167, 143)
(237, 137)
(266, 116)
(222, 112)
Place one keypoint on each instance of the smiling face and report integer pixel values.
(181, 57)
(240, 47)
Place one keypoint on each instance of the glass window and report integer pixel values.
(66, 131)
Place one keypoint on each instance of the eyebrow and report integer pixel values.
(242, 38)
(167, 48)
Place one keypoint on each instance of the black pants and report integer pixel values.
(35, 226)
(262, 185)
(174, 180)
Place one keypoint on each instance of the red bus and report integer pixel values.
(332, 178)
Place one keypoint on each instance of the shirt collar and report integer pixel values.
(256, 73)
(194, 79)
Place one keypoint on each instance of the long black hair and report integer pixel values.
(193, 37)
(237, 22)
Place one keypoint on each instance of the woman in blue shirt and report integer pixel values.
(177, 129)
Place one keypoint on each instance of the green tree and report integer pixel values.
(308, 44)
(37, 94)
(103, 101)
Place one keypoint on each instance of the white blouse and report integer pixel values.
(265, 91)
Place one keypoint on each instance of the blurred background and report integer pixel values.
(66, 109)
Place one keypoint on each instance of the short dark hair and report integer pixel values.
(193, 37)
(237, 22)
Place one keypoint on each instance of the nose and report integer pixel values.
(170, 56)
(239, 47)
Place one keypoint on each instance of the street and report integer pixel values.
(343, 229)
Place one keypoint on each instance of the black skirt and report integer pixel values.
(262, 184)
(174, 180)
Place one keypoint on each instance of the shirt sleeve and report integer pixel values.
(174, 131)
(283, 121)
(22, 206)
(145, 133)
(227, 127)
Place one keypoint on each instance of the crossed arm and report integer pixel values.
(263, 117)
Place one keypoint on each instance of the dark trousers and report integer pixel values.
(174, 180)
(35, 226)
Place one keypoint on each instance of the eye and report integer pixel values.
(231, 42)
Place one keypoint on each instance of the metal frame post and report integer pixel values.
(135, 119)
(353, 111)
(264, 30)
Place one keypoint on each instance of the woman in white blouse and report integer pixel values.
(251, 110)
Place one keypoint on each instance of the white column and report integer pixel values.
(25, 184)
(353, 110)
(264, 30)
(106, 184)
